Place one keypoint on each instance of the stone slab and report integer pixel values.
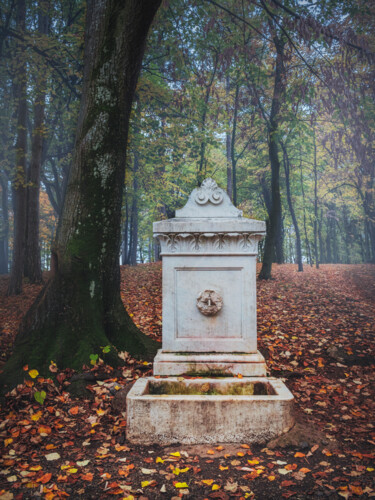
(210, 225)
(215, 364)
(233, 328)
(192, 419)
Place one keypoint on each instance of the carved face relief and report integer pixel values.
(209, 302)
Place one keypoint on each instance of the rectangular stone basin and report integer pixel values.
(207, 410)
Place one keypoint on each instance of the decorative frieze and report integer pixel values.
(208, 243)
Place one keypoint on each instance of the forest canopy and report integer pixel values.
(274, 100)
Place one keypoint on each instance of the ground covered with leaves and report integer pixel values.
(316, 330)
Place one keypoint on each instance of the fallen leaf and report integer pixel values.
(180, 485)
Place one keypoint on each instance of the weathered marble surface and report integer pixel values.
(229, 364)
(209, 246)
(191, 419)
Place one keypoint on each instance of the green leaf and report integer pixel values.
(40, 396)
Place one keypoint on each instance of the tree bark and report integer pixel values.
(291, 209)
(228, 143)
(19, 178)
(80, 310)
(32, 269)
(316, 251)
(274, 233)
(4, 233)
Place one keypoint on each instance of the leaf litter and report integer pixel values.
(316, 330)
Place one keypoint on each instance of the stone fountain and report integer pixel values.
(210, 382)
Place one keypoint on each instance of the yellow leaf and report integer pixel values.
(181, 485)
(36, 416)
(370, 469)
(35, 467)
(215, 487)
(221, 467)
(159, 460)
(176, 454)
(210, 452)
(253, 462)
(33, 373)
(8, 441)
(207, 481)
(271, 478)
(241, 454)
(145, 483)
(130, 497)
(72, 470)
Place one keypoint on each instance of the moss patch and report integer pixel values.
(209, 389)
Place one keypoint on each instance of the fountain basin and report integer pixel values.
(208, 410)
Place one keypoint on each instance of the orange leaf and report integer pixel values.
(44, 429)
(291, 467)
(304, 470)
(245, 446)
(210, 452)
(87, 477)
(74, 410)
(357, 490)
(299, 455)
(45, 478)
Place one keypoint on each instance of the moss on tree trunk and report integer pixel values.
(80, 310)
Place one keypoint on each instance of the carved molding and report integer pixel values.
(211, 243)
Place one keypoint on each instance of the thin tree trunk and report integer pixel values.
(228, 142)
(307, 243)
(291, 209)
(4, 234)
(80, 310)
(125, 238)
(233, 145)
(133, 245)
(19, 178)
(32, 269)
(201, 171)
(315, 204)
(274, 233)
(321, 244)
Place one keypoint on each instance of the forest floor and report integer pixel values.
(316, 330)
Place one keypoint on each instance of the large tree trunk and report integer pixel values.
(32, 269)
(19, 177)
(80, 309)
(274, 232)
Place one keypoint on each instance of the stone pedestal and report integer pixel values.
(209, 330)
(209, 295)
